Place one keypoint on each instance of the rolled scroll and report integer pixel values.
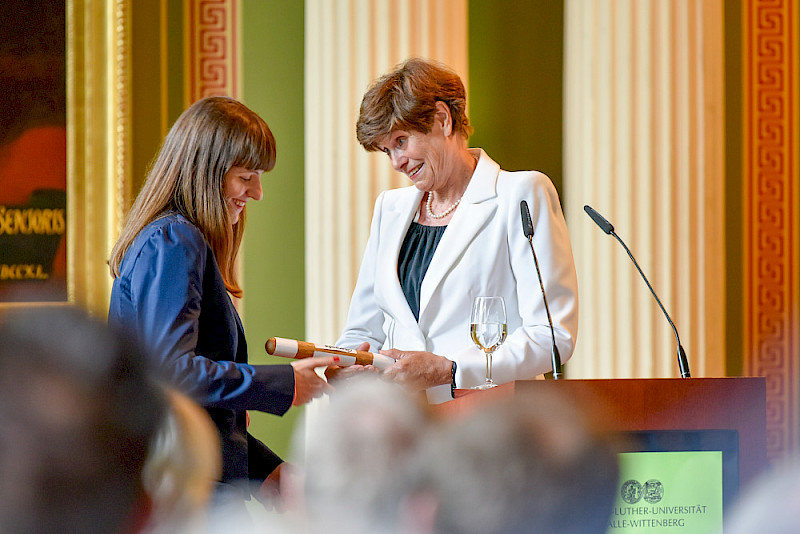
(291, 348)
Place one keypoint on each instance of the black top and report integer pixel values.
(415, 257)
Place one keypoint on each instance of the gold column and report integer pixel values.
(349, 43)
(644, 146)
(98, 143)
(772, 212)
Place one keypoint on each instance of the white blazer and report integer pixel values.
(483, 251)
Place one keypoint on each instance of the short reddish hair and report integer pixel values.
(405, 99)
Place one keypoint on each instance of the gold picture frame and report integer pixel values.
(98, 143)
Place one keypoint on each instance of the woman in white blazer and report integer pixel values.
(454, 235)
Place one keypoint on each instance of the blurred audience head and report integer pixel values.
(529, 463)
(360, 458)
(770, 505)
(77, 414)
(377, 461)
(182, 466)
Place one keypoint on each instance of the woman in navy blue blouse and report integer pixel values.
(174, 272)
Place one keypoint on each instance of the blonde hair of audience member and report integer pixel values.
(182, 466)
(359, 458)
(77, 414)
(531, 463)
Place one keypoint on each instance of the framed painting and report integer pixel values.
(64, 149)
(33, 152)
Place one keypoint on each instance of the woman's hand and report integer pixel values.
(307, 383)
(418, 370)
(335, 372)
(276, 490)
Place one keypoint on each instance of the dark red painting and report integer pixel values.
(33, 151)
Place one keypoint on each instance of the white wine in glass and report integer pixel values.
(488, 330)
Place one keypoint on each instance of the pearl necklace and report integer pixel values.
(445, 213)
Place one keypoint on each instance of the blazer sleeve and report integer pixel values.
(364, 318)
(166, 293)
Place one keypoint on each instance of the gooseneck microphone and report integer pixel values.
(527, 228)
(608, 228)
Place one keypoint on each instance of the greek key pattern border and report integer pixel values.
(770, 58)
(212, 48)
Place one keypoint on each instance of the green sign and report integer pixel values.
(660, 492)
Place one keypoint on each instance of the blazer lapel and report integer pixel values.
(472, 215)
(394, 226)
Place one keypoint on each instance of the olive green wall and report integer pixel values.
(148, 126)
(273, 259)
(145, 81)
(516, 55)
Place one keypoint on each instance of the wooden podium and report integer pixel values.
(659, 404)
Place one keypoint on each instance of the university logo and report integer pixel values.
(632, 491)
(653, 491)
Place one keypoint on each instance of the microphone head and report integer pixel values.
(604, 225)
(527, 224)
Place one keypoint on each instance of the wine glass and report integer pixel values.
(488, 330)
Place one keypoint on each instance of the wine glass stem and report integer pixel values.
(489, 367)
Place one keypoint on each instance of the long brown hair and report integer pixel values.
(211, 136)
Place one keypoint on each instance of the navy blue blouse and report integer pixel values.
(415, 257)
